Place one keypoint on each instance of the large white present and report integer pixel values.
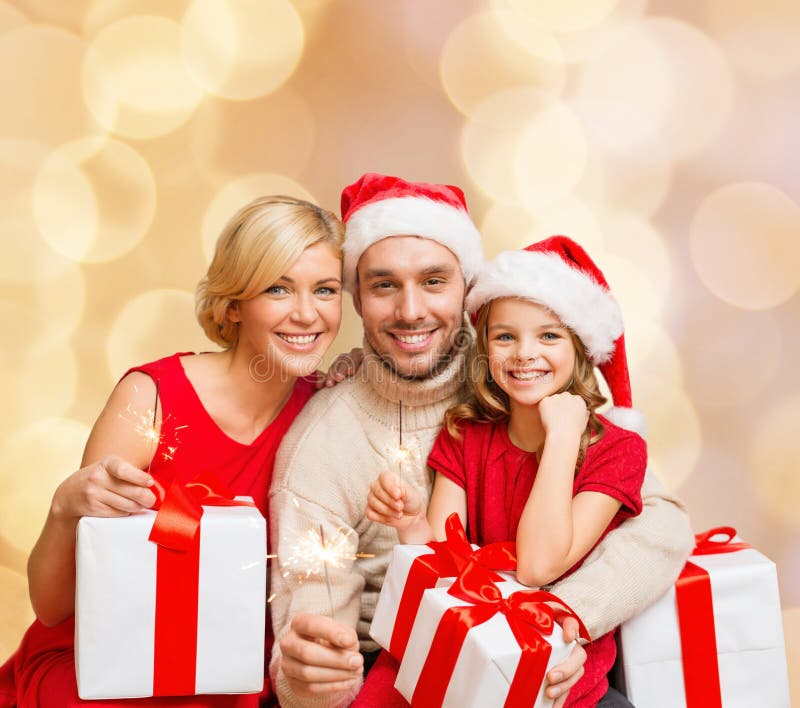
(715, 638)
(416, 568)
(464, 654)
(156, 620)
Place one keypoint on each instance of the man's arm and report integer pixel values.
(319, 479)
(633, 565)
(315, 659)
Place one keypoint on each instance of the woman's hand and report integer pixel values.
(394, 502)
(110, 487)
(344, 366)
(563, 414)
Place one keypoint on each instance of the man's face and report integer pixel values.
(411, 297)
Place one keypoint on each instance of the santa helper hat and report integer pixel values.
(378, 206)
(560, 275)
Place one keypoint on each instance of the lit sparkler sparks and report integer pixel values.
(404, 456)
(144, 425)
(316, 553)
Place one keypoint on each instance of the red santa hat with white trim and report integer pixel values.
(378, 206)
(560, 275)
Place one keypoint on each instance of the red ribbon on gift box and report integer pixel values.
(696, 621)
(529, 616)
(176, 530)
(449, 558)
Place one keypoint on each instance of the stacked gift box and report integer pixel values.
(465, 632)
(172, 603)
(713, 640)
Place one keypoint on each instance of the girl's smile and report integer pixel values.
(531, 354)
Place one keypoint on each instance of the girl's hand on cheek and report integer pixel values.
(564, 414)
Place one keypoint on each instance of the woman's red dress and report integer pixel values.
(41, 674)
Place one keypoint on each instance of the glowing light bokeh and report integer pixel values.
(241, 49)
(10, 17)
(27, 257)
(637, 241)
(744, 245)
(101, 13)
(674, 436)
(637, 184)
(50, 60)
(560, 15)
(15, 610)
(719, 361)
(524, 147)
(791, 635)
(94, 200)
(234, 195)
(773, 461)
(478, 60)
(34, 382)
(760, 38)
(640, 302)
(280, 129)
(154, 324)
(136, 63)
(551, 156)
(508, 227)
(659, 86)
(48, 311)
(47, 450)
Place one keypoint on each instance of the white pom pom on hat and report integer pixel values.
(558, 274)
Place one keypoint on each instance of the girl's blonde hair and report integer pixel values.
(257, 246)
(485, 401)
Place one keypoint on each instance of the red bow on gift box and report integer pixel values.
(449, 558)
(696, 620)
(176, 530)
(529, 615)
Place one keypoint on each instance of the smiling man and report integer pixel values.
(411, 253)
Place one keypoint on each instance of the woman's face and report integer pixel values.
(289, 327)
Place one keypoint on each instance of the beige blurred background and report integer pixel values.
(658, 134)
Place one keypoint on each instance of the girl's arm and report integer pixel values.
(557, 530)
(106, 485)
(447, 497)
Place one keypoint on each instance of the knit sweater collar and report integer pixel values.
(422, 398)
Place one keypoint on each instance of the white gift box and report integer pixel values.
(115, 604)
(394, 583)
(488, 658)
(749, 638)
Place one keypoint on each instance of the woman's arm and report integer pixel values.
(111, 482)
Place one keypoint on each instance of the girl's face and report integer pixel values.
(531, 354)
(289, 327)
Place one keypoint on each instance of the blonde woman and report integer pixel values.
(272, 300)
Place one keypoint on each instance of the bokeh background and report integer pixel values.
(661, 135)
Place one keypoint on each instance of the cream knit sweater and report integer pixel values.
(340, 443)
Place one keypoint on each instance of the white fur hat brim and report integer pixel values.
(411, 216)
(579, 301)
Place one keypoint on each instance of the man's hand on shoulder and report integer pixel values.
(320, 656)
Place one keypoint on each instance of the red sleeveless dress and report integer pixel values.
(41, 674)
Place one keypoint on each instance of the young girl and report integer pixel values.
(526, 456)
(272, 301)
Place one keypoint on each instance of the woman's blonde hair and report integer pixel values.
(485, 401)
(257, 246)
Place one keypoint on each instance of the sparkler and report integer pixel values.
(316, 553)
(402, 455)
(144, 425)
